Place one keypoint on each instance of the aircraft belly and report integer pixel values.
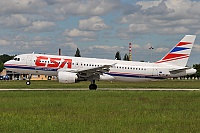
(131, 79)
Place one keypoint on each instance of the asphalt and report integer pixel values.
(102, 89)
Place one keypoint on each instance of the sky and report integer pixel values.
(99, 28)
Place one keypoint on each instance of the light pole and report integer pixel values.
(151, 48)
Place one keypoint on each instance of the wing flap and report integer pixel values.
(96, 70)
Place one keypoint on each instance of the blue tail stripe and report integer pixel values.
(176, 49)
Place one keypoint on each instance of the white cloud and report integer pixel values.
(161, 50)
(136, 46)
(142, 28)
(106, 48)
(89, 7)
(4, 42)
(163, 16)
(78, 33)
(41, 26)
(14, 21)
(71, 45)
(94, 23)
(22, 6)
(196, 48)
(148, 4)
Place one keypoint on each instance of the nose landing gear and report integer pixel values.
(28, 82)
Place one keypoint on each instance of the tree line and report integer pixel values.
(3, 59)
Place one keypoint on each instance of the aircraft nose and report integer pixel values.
(6, 64)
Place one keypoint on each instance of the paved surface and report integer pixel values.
(103, 89)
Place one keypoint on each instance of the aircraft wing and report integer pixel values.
(94, 71)
(86, 73)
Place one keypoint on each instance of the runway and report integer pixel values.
(103, 89)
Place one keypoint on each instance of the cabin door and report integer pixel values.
(155, 71)
(29, 60)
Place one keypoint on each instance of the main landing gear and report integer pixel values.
(93, 86)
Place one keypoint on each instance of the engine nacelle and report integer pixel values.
(67, 77)
(106, 77)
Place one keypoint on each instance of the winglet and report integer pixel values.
(179, 55)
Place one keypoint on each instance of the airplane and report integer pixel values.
(75, 69)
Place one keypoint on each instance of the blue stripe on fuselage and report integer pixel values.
(111, 74)
(134, 76)
(32, 68)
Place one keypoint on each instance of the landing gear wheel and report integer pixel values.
(28, 82)
(92, 86)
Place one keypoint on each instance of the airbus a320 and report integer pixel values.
(70, 69)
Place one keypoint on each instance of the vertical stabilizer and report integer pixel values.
(179, 55)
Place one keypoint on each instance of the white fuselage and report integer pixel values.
(121, 70)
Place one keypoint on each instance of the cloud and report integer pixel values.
(71, 45)
(4, 42)
(78, 33)
(196, 48)
(89, 7)
(163, 16)
(141, 28)
(14, 21)
(161, 50)
(136, 46)
(148, 4)
(106, 48)
(41, 26)
(94, 23)
(23, 7)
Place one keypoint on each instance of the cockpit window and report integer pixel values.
(17, 59)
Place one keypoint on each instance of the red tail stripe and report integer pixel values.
(172, 55)
(183, 43)
(172, 59)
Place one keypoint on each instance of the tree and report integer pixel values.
(126, 57)
(3, 59)
(78, 54)
(118, 56)
(197, 67)
(1, 66)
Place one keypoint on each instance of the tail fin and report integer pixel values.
(179, 55)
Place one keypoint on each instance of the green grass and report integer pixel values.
(185, 84)
(99, 111)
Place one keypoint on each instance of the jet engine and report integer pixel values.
(67, 77)
(106, 77)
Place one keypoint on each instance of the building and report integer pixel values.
(19, 76)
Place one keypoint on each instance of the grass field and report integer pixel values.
(183, 84)
(100, 111)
